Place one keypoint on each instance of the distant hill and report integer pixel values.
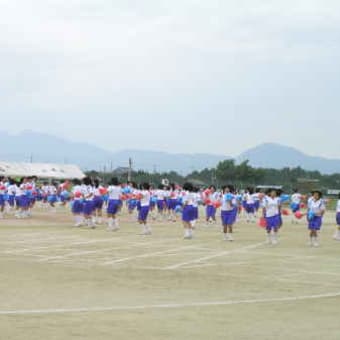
(46, 148)
(278, 156)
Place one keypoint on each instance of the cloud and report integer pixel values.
(133, 62)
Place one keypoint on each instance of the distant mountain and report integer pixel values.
(40, 147)
(278, 156)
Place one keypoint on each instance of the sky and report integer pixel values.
(192, 76)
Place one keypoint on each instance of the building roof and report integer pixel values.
(41, 170)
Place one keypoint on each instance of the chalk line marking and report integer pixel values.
(146, 255)
(167, 306)
(223, 253)
(319, 273)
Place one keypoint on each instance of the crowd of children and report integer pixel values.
(89, 199)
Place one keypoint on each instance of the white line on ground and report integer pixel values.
(223, 253)
(167, 306)
(146, 255)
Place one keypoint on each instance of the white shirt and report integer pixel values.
(196, 199)
(87, 192)
(316, 207)
(272, 206)
(296, 198)
(188, 198)
(249, 199)
(160, 194)
(145, 200)
(338, 207)
(12, 189)
(114, 192)
(228, 205)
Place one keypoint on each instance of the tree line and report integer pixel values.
(241, 175)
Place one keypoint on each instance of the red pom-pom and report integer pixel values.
(103, 191)
(217, 204)
(262, 222)
(77, 194)
(302, 206)
(207, 192)
(285, 212)
(299, 215)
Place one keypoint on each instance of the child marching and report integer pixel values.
(316, 210)
(272, 213)
(229, 210)
(337, 233)
(145, 197)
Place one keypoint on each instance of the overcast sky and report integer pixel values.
(176, 75)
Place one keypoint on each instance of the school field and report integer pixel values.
(59, 282)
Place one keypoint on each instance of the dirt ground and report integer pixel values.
(61, 282)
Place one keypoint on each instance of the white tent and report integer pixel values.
(41, 170)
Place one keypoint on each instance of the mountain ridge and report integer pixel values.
(41, 147)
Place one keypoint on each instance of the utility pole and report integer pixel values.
(130, 169)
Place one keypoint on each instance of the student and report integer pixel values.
(3, 191)
(145, 198)
(295, 205)
(161, 200)
(337, 233)
(316, 210)
(172, 202)
(98, 202)
(211, 196)
(114, 192)
(11, 192)
(195, 204)
(249, 205)
(229, 212)
(272, 214)
(188, 210)
(77, 203)
(88, 207)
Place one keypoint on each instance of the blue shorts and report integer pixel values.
(210, 211)
(315, 223)
(77, 207)
(228, 216)
(88, 207)
(113, 207)
(250, 208)
(143, 214)
(195, 212)
(2, 200)
(273, 222)
(338, 219)
(188, 214)
(172, 203)
(98, 203)
(24, 201)
(11, 200)
(161, 204)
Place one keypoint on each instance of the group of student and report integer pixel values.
(88, 198)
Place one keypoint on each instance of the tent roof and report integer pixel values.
(42, 170)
